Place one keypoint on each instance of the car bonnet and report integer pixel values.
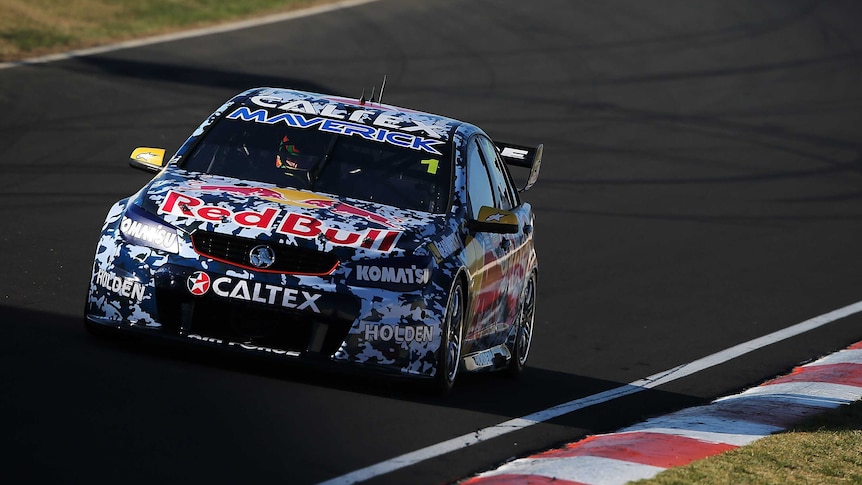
(351, 228)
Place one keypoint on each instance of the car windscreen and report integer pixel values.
(343, 165)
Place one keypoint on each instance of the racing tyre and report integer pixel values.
(524, 332)
(449, 356)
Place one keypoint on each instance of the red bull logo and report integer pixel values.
(304, 199)
(292, 224)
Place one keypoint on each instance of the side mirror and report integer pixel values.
(497, 221)
(147, 159)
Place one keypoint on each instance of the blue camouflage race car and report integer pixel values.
(316, 228)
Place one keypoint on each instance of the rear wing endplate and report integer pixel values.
(522, 156)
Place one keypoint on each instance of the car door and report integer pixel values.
(487, 253)
(512, 245)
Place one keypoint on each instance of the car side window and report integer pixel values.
(479, 189)
(500, 180)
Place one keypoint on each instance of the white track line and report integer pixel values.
(655, 380)
(188, 34)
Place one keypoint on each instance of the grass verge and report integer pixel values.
(826, 449)
(30, 28)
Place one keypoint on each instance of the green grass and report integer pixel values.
(826, 449)
(31, 28)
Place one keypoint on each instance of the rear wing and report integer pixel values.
(522, 156)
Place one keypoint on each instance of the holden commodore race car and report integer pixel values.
(322, 229)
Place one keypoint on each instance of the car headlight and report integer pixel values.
(399, 274)
(140, 227)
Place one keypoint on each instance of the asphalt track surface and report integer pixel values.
(702, 187)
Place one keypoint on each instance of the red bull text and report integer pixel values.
(291, 223)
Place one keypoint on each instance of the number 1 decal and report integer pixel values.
(432, 165)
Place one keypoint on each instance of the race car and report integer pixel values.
(328, 230)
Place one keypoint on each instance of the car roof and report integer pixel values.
(370, 112)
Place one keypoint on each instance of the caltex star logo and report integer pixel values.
(198, 283)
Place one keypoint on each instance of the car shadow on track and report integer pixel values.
(38, 344)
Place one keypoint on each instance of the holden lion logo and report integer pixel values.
(198, 283)
(261, 256)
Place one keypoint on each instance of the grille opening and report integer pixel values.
(288, 259)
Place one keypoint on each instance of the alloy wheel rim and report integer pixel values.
(454, 329)
(526, 327)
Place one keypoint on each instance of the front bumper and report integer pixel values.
(184, 297)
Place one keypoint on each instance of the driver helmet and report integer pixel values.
(293, 162)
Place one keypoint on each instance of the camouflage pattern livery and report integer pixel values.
(284, 269)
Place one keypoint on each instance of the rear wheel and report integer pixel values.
(524, 332)
(449, 355)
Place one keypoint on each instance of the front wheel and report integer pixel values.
(449, 355)
(524, 332)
